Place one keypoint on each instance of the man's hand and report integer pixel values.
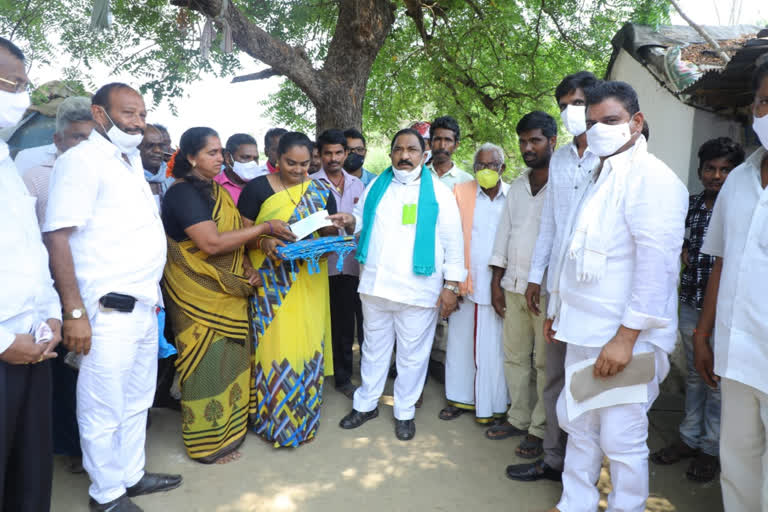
(498, 300)
(448, 302)
(77, 335)
(532, 297)
(55, 326)
(342, 220)
(684, 257)
(617, 353)
(549, 333)
(24, 350)
(704, 360)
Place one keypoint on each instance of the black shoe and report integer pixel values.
(405, 429)
(356, 418)
(121, 504)
(534, 471)
(348, 390)
(154, 482)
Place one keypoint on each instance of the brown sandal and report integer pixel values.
(450, 412)
(531, 447)
(673, 453)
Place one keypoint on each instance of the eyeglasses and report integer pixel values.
(492, 165)
(17, 87)
(360, 150)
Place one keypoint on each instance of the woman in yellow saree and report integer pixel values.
(291, 312)
(207, 282)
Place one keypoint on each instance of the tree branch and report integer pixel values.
(698, 28)
(260, 75)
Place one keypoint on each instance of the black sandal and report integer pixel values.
(673, 453)
(703, 468)
(531, 447)
(450, 412)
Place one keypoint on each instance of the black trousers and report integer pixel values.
(66, 435)
(26, 440)
(343, 294)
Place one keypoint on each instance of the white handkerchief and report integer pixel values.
(636, 394)
(310, 224)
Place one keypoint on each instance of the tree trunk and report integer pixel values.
(337, 90)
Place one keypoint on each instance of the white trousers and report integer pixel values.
(474, 362)
(743, 453)
(115, 389)
(619, 432)
(415, 330)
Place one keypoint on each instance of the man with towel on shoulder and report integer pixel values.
(412, 254)
(616, 299)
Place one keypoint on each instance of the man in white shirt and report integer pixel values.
(616, 298)
(734, 305)
(569, 168)
(445, 135)
(412, 257)
(30, 158)
(108, 247)
(28, 303)
(512, 251)
(474, 370)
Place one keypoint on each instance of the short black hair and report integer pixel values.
(721, 147)
(408, 131)
(237, 140)
(447, 123)
(292, 139)
(101, 98)
(271, 134)
(537, 120)
(760, 74)
(354, 134)
(582, 80)
(329, 138)
(12, 48)
(621, 91)
(162, 128)
(646, 130)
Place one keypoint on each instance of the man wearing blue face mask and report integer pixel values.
(615, 304)
(108, 250)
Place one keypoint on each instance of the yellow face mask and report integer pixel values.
(487, 178)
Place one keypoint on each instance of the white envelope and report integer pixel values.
(310, 224)
(636, 394)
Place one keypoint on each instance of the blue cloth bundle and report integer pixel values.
(313, 249)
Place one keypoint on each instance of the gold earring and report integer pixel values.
(194, 165)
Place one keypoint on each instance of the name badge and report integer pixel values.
(409, 214)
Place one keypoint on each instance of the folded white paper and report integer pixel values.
(310, 224)
(617, 396)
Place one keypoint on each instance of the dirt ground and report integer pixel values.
(448, 466)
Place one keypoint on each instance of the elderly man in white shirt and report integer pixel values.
(474, 369)
(734, 305)
(412, 257)
(569, 169)
(618, 277)
(108, 250)
(30, 317)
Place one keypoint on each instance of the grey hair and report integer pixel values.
(74, 109)
(488, 146)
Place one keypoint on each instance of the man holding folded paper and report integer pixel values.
(412, 254)
(615, 304)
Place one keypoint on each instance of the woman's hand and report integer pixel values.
(345, 221)
(280, 229)
(253, 276)
(269, 247)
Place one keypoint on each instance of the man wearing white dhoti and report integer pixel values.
(474, 371)
(412, 256)
(617, 296)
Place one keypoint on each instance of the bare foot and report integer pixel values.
(230, 457)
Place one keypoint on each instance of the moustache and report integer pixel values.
(404, 162)
(529, 156)
(334, 163)
(439, 152)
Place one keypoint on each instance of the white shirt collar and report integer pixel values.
(502, 191)
(5, 152)
(450, 172)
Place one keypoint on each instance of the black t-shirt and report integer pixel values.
(259, 190)
(185, 205)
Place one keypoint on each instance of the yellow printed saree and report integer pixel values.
(208, 307)
(292, 331)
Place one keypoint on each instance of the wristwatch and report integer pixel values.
(452, 287)
(75, 314)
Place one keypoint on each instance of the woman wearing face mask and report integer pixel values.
(291, 309)
(207, 282)
(241, 164)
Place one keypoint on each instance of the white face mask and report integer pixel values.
(575, 119)
(606, 139)
(406, 177)
(12, 107)
(760, 126)
(246, 171)
(127, 143)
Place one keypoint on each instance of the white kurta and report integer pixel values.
(397, 302)
(638, 290)
(474, 370)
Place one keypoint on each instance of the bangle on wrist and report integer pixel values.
(705, 334)
(271, 229)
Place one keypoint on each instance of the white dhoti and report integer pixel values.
(474, 363)
(115, 389)
(415, 329)
(619, 432)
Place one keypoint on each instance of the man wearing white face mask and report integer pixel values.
(108, 248)
(241, 164)
(412, 255)
(618, 273)
(735, 307)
